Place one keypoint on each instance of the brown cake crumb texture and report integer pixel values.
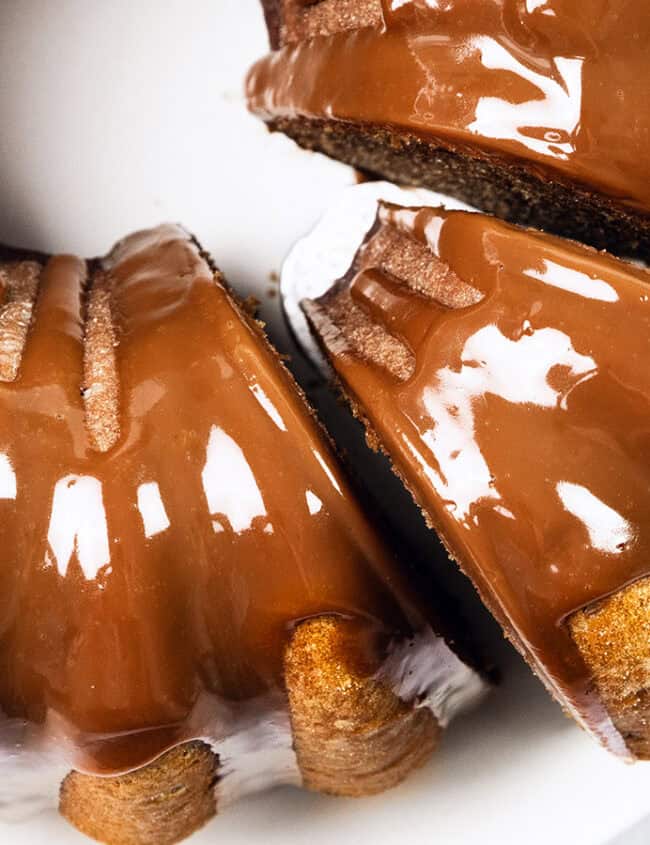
(353, 735)
(101, 381)
(614, 640)
(505, 188)
(347, 327)
(294, 20)
(612, 636)
(18, 289)
(159, 804)
(407, 260)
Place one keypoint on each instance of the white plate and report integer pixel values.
(116, 115)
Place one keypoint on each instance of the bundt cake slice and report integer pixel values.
(533, 111)
(193, 603)
(504, 373)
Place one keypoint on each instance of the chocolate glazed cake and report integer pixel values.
(535, 111)
(193, 604)
(505, 373)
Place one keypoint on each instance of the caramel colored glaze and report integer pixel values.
(160, 543)
(523, 429)
(559, 85)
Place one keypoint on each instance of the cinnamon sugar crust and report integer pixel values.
(351, 329)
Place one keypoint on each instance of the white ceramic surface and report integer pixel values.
(116, 115)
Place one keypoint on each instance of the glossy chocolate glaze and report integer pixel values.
(558, 85)
(522, 425)
(150, 576)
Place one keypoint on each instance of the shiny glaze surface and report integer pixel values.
(559, 85)
(147, 592)
(524, 428)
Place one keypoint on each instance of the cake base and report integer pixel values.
(505, 188)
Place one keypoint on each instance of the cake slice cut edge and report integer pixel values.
(511, 187)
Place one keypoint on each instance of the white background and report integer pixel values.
(117, 115)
